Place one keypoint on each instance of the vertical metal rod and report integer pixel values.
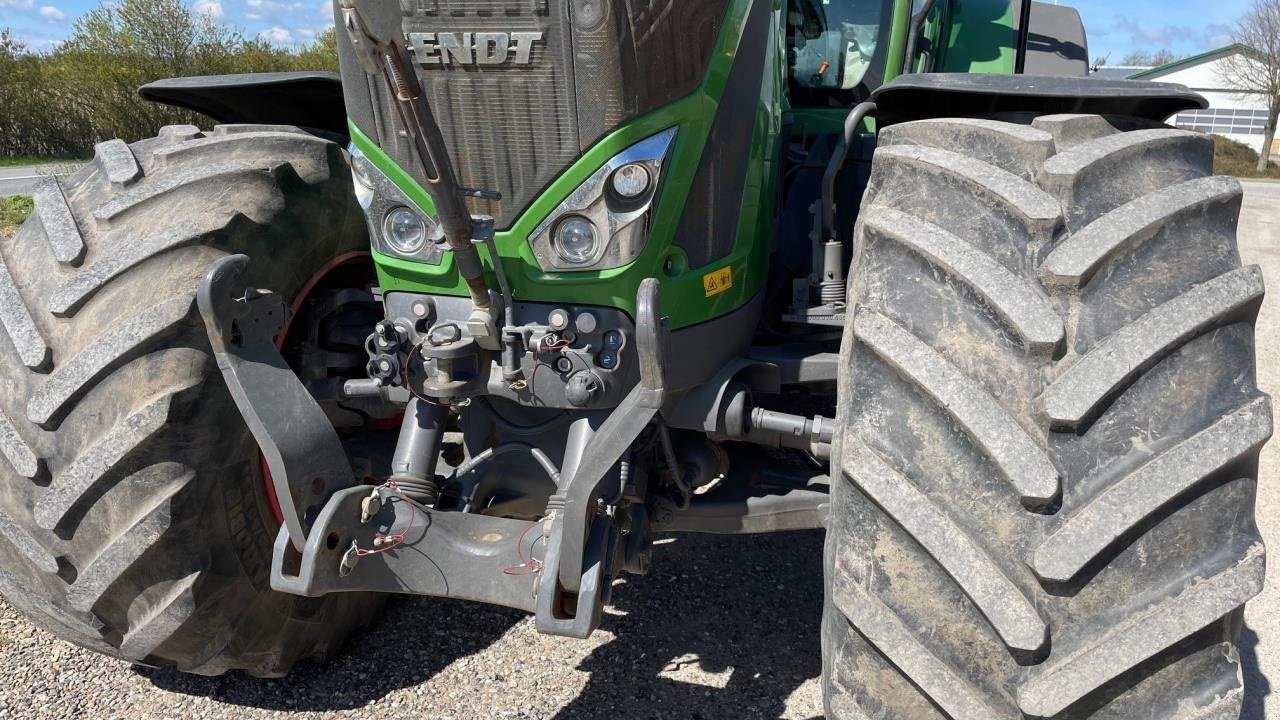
(827, 248)
(913, 36)
(1024, 37)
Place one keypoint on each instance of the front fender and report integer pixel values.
(309, 100)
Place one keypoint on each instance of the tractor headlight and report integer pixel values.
(405, 231)
(631, 180)
(575, 240)
(603, 223)
(360, 168)
(399, 226)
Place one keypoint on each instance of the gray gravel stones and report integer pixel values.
(721, 628)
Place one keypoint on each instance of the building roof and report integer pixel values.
(1118, 72)
(1204, 57)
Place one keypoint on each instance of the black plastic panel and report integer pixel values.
(708, 229)
(311, 100)
(912, 97)
(514, 127)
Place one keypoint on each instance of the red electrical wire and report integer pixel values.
(537, 359)
(527, 566)
(396, 539)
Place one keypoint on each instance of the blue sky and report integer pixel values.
(1115, 28)
(1186, 27)
(43, 23)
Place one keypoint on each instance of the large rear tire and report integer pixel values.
(1049, 429)
(133, 517)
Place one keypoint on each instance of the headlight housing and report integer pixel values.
(397, 226)
(614, 203)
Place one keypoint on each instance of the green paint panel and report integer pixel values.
(982, 37)
(898, 40)
(684, 299)
(979, 38)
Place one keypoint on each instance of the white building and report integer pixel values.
(1236, 114)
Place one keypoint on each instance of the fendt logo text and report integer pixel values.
(480, 48)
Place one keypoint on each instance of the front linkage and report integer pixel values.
(342, 536)
(436, 355)
(339, 535)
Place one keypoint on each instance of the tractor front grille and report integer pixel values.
(514, 127)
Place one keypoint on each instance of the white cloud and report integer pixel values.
(33, 42)
(50, 12)
(1145, 33)
(212, 8)
(325, 8)
(277, 35)
(17, 4)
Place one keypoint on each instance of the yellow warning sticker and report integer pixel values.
(717, 281)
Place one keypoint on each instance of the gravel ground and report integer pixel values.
(722, 628)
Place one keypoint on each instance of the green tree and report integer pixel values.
(85, 91)
(319, 54)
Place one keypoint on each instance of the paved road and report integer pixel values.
(722, 628)
(23, 180)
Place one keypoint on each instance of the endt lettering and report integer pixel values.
(481, 48)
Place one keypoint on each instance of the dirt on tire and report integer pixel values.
(133, 516)
(1046, 471)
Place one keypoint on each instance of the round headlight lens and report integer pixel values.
(631, 181)
(575, 240)
(405, 231)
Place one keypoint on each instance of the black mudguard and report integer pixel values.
(309, 100)
(929, 95)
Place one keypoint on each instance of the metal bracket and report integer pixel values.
(577, 615)
(578, 548)
(444, 554)
(302, 450)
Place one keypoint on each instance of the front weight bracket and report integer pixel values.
(302, 450)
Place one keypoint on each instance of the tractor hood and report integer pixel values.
(522, 88)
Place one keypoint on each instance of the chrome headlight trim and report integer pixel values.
(379, 199)
(619, 220)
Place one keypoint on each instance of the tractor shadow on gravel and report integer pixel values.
(1257, 688)
(721, 628)
(402, 649)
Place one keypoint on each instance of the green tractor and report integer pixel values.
(533, 282)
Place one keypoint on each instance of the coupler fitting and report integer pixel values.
(767, 427)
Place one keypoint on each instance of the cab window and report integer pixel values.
(836, 49)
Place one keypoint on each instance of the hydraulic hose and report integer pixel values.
(548, 466)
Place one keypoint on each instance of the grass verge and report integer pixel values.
(1233, 158)
(21, 160)
(13, 211)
